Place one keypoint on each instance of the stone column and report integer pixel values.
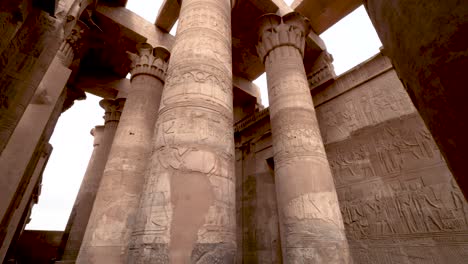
(23, 64)
(311, 227)
(17, 161)
(103, 138)
(112, 218)
(22, 204)
(187, 212)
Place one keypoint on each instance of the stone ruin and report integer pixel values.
(190, 167)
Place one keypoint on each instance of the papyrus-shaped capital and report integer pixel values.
(149, 61)
(275, 31)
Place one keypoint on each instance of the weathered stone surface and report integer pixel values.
(12, 16)
(24, 145)
(35, 127)
(23, 64)
(322, 71)
(427, 45)
(115, 208)
(24, 201)
(398, 199)
(189, 199)
(310, 220)
(324, 14)
(397, 196)
(78, 220)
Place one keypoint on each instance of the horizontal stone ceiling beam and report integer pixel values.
(133, 22)
(103, 86)
(168, 15)
(325, 13)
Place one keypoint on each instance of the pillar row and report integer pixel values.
(21, 152)
(187, 213)
(311, 226)
(78, 220)
(112, 219)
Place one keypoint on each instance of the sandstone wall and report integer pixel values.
(397, 196)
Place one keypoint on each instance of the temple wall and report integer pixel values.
(397, 196)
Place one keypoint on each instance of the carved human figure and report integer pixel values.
(187, 211)
(307, 202)
(113, 216)
(78, 220)
(425, 207)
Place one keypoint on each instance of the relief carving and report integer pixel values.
(363, 107)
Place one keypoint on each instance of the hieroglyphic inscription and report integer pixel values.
(393, 184)
(188, 205)
(377, 100)
(387, 150)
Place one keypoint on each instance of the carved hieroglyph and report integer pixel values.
(188, 209)
(103, 138)
(112, 219)
(310, 220)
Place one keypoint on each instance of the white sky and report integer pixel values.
(351, 41)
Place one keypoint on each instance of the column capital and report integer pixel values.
(97, 133)
(73, 44)
(275, 31)
(149, 61)
(113, 108)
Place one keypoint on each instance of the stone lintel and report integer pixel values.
(168, 15)
(103, 86)
(324, 14)
(248, 87)
(137, 25)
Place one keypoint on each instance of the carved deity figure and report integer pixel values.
(425, 207)
(404, 206)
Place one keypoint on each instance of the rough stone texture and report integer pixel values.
(36, 246)
(25, 200)
(115, 208)
(17, 160)
(189, 198)
(23, 64)
(324, 14)
(433, 68)
(398, 199)
(310, 220)
(35, 128)
(397, 196)
(103, 138)
(322, 72)
(12, 16)
(257, 220)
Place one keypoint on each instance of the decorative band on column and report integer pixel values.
(149, 61)
(113, 109)
(276, 31)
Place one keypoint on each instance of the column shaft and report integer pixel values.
(187, 213)
(311, 226)
(23, 65)
(23, 203)
(112, 218)
(79, 217)
(35, 128)
(24, 144)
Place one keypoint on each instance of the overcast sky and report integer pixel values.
(351, 41)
